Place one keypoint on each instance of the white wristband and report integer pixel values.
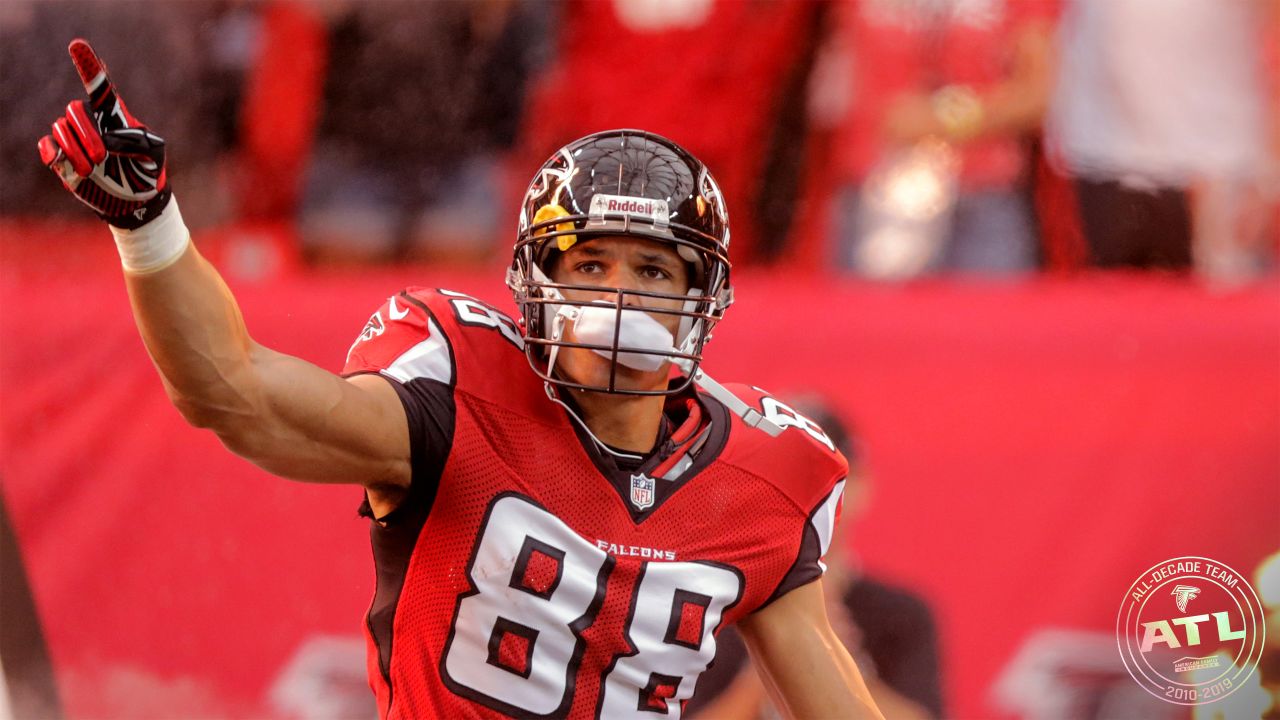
(156, 245)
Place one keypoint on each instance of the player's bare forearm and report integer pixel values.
(281, 412)
(194, 332)
(808, 672)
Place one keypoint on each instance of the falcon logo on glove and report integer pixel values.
(102, 154)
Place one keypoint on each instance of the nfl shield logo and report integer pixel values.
(641, 492)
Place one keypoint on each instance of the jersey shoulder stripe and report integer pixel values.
(423, 333)
(467, 344)
(801, 462)
(404, 340)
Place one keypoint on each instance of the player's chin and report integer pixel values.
(589, 368)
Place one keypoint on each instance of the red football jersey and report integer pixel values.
(528, 574)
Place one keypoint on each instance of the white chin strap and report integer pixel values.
(597, 324)
(559, 315)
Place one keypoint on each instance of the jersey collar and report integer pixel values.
(694, 431)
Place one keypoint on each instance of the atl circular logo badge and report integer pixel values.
(1190, 630)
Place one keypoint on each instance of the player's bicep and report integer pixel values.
(311, 425)
(804, 665)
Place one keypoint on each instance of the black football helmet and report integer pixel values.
(621, 183)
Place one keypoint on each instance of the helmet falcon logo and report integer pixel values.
(552, 178)
(1183, 594)
(642, 491)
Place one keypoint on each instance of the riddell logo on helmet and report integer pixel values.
(629, 206)
(606, 206)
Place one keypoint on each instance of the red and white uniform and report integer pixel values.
(527, 574)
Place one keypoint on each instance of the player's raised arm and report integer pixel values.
(287, 415)
(806, 668)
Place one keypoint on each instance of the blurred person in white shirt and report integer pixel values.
(1162, 116)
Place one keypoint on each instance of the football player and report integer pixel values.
(564, 542)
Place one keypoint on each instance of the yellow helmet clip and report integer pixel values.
(551, 212)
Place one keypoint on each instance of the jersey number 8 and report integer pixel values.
(516, 643)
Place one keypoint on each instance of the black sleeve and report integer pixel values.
(804, 570)
(429, 408)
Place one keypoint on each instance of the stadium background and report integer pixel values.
(1033, 441)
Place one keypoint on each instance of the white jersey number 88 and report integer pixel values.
(516, 644)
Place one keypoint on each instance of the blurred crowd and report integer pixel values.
(886, 138)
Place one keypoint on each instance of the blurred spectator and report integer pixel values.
(724, 78)
(932, 102)
(1161, 115)
(889, 631)
(176, 50)
(280, 109)
(420, 102)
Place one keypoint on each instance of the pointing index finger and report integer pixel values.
(93, 72)
(103, 99)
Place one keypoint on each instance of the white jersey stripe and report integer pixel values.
(429, 359)
(824, 521)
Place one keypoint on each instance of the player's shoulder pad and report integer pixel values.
(395, 333)
(438, 335)
(801, 461)
(428, 333)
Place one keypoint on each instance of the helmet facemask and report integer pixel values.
(621, 327)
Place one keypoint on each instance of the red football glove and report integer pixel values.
(102, 154)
